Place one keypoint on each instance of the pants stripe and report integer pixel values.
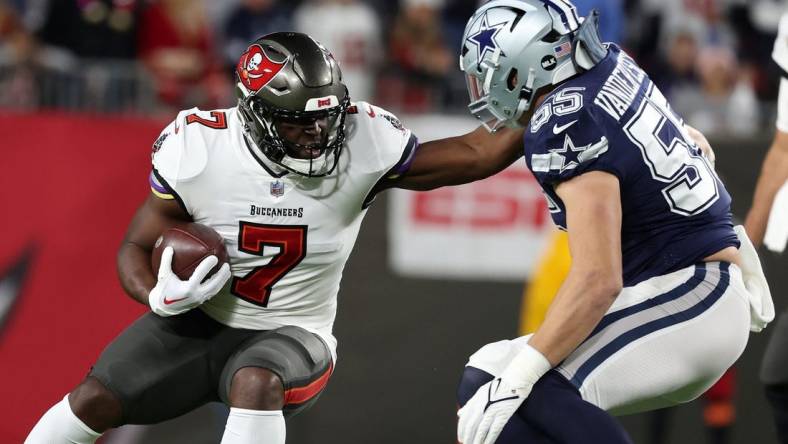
(300, 395)
(692, 283)
(652, 326)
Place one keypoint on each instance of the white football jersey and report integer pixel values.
(288, 236)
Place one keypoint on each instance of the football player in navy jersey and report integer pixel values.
(663, 290)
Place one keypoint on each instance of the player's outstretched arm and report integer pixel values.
(774, 173)
(593, 217)
(152, 218)
(462, 159)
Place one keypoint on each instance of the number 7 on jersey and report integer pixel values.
(255, 286)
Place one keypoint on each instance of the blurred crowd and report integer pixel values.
(710, 57)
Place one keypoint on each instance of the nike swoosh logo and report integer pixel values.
(370, 111)
(491, 401)
(172, 301)
(177, 128)
(495, 401)
(558, 129)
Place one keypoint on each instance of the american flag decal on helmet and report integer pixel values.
(562, 50)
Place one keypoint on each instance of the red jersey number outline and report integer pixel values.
(219, 120)
(255, 287)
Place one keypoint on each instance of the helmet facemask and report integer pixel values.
(513, 51)
(487, 110)
(265, 125)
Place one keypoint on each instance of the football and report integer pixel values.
(191, 243)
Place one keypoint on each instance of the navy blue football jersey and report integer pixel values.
(612, 118)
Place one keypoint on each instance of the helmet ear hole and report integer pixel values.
(511, 79)
(551, 37)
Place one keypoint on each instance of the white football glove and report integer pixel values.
(173, 296)
(484, 416)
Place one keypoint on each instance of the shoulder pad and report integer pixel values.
(180, 154)
(393, 143)
(566, 145)
(568, 104)
(380, 118)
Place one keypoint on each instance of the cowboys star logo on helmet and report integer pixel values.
(484, 39)
(509, 55)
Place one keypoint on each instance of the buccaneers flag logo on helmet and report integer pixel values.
(255, 69)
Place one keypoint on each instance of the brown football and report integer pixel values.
(191, 243)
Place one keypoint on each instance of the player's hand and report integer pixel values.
(484, 416)
(173, 296)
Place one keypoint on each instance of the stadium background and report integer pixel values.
(86, 85)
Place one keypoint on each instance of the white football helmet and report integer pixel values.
(513, 48)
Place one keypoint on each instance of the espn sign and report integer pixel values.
(494, 229)
(504, 202)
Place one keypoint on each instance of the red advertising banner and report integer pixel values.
(68, 187)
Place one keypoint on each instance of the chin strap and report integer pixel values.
(588, 49)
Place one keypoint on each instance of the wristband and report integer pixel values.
(526, 368)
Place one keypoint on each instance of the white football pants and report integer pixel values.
(663, 342)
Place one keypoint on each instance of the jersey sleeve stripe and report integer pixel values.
(161, 195)
(157, 188)
(401, 167)
(169, 190)
(406, 160)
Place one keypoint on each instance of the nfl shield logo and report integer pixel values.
(277, 188)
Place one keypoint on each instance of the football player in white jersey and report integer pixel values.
(285, 178)
(767, 223)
